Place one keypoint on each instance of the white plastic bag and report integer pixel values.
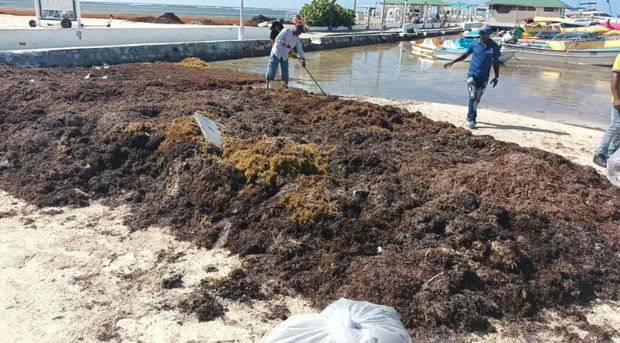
(344, 321)
(613, 168)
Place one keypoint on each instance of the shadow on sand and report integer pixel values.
(520, 128)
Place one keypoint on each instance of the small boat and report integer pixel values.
(581, 45)
(613, 26)
(449, 51)
(468, 38)
(597, 29)
(558, 58)
(424, 48)
(551, 31)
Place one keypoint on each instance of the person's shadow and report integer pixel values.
(520, 128)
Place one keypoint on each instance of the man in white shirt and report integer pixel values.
(285, 42)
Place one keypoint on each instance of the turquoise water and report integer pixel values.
(574, 95)
(112, 7)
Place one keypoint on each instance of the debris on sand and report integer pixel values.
(166, 18)
(175, 281)
(324, 198)
(194, 62)
(205, 306)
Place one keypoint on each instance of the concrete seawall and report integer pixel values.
(51, 38)
(174, 52)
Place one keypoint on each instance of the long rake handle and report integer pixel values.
(315, 81)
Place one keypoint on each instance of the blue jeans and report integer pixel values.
(273, 66)
(476, 86)
(611, 138)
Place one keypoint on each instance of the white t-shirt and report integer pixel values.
(281, 51)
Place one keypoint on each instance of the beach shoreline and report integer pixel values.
(574, 142)
(213, 20)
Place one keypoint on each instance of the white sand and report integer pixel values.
(73, 274)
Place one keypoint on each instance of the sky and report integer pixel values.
(296, 4)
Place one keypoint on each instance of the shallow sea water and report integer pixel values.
(577, 95)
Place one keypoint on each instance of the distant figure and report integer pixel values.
(485, 54)
(611, 138)
(298, 20)
(285, 42)
(276, 27)
(110, 21)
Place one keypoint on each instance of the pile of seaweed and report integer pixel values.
(323, 197)
(166, 18)
(257, 19)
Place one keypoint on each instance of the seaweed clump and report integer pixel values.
(310, 202)
(268, 158)
(194, 62)
(180, 130)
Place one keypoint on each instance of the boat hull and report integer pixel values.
(545, 56)
(576, 45)
(425, 48)
(451, 54)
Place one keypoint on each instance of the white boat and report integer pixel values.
(449, 51)
(546, 56)
(424, 49)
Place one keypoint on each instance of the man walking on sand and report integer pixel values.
(285, 42)
(612, 135)
(485, 54)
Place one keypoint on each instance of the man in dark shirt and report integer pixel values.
(276, 27)
(485, 54)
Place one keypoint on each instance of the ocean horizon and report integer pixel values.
(142, 8)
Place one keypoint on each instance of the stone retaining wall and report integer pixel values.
(174, 52)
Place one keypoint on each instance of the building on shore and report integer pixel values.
(511, 11)
(404, 11)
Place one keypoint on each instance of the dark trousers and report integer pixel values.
(476, 86)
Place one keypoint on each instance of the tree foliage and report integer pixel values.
(328, 13)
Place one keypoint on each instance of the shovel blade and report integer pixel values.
(209, 129)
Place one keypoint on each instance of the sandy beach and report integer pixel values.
(18, 13)
(120, 224)
(85, 276)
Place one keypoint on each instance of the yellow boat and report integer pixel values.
(533, 30)
(580, 45)
(552, 20)
(593, 29)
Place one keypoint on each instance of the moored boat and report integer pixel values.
(449, 51)
(424, 48)
(558, 58)
(612, 25)
(581, 45)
